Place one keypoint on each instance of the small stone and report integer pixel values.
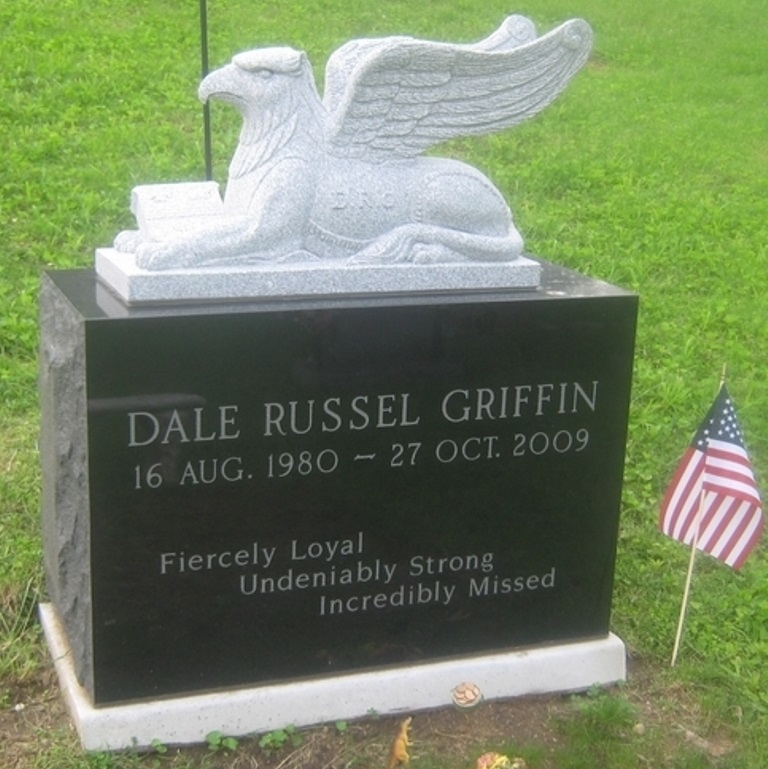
(466, 695)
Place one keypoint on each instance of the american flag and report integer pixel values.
(714, 490)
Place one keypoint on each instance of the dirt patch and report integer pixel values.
(35, 724)
(37, 717)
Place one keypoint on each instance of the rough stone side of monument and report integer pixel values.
(63, 449)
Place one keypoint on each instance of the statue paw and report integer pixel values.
(298, 256)
(392, 248)
(127, 241)
(434, 253)
(406, 250)
(373, 254)
(161, 256)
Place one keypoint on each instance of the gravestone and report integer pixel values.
(284, 483)
(282, 492)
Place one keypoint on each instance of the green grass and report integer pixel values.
(650, 172)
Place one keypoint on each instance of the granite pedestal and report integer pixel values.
(346, 503)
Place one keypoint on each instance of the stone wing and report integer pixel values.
(396, 97)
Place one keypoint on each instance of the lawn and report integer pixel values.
(650, 172)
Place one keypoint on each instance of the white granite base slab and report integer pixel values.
(300, 279)
(186, 720)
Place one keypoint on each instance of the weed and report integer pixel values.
(279, 738)
(217, 741)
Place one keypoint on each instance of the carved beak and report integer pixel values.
(224, 84)
(209, 86)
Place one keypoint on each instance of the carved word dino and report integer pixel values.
(343, 178)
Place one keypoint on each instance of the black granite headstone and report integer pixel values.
(295, 489)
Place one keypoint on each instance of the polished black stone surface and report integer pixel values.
(295, 489)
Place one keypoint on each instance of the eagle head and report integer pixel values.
(253, 78)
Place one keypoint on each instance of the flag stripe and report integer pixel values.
(730, 456)
(716, 515)
(726, 515)
(730, 548)
(683, 494)
(747, 543)
(728, 470)
(727, 547)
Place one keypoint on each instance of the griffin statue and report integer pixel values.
(344, 177)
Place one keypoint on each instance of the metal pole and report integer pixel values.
(206, 107)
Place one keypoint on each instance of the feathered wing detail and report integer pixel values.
(398, 97)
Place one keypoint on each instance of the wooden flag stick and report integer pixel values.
(688, 576)
(692, 559)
